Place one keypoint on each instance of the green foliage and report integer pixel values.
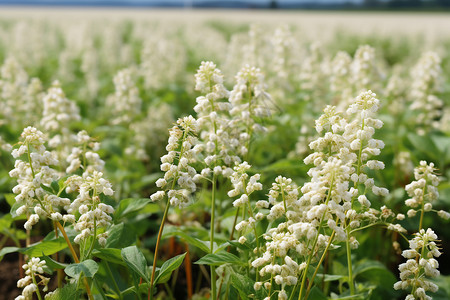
(87, 267)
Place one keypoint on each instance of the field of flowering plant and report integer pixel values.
(221, 161)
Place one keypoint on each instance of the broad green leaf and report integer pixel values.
(168, 267)
(130, 205)
(243, 285)
(13, 212)
(68, 291)
(53, 263)
(5, 222)
(146, 181)
(7, 250)
(244, 246)
(443, 144)
(55, 186)
(120, 236)
(46, 247)
(282, 165)
(425, 145)
(376, 273)
(328, 277)
(87, 267)
(10, 198)
(193, 241)
(366, 265)
(109, 254)
(219, 259)
(135, 261)
(48, 189)
(316, 294)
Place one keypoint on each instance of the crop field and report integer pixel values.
(177, 154)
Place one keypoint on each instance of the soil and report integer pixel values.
(9, 274)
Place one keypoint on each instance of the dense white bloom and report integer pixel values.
(176, 163)
(94, 213)
(426, 83)
(420, 264)
(34, 271)
(423, 190)
(249, 101)
(363, 68)
(125, 102)
(31, 174)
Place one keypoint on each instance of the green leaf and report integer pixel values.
(120, 236)
(68, 291)
(87, 267)
(329, 277)
(5, 222)
(376, 273)
(13, 209)
(425, 145)
(193, 241)
(282, 165)
(46, 247)
(7, 250)
(168, 267)
(135, 261)
(53, 263)
(244, 246)
(242, 284)
(317, 294)
(48, 189)
(109, 254)
(10, 198)
(55, 186)
(219, 259)
(130, 205)
(366, 265)
(443, 144)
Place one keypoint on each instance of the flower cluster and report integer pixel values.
(57, 115)
(216, 140)
(31, 174)
(181, 152)
(249, 101)
(420, 265)
(363, 67)
(244, 185)
(281, 240)
(125, 101)
(34, 270)
(149, 134)
(341, 80)
(423, 190)
(426, 76)
(94, 213)
(84, 156)
(359, 134)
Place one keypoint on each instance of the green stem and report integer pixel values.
(157, 247)
(29, 160)
(93, 239)
(271, 277)
(169, 291)
(116, 287)
(213, 210)
(319, 264)
(38, 293)
(302, 286)
(422, 212)
(349, 264)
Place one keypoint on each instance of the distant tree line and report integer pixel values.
(379, 4)
(407, 3)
